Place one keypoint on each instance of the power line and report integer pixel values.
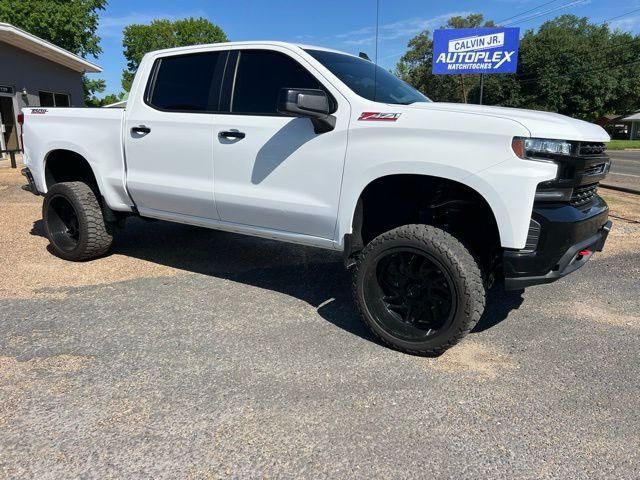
(573, 3)
(526, 11)
(375, 70)
(531, 78)
(623, 15)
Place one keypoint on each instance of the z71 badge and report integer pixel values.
(379, 117)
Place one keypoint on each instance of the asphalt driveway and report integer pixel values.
(191, 353)
(625, 169)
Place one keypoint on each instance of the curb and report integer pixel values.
(635, 191)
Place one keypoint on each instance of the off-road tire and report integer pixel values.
(94, 234)
(462, 270)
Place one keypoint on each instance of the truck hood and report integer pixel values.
(540, 124)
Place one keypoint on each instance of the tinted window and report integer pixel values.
(367, 79)
(46, 99)
(189, 82)
(62, 100)
(260, 77)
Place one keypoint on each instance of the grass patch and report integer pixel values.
(622, 144)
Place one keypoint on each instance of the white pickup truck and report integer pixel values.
(430, 202)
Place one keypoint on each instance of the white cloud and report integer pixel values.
(111, 27)
(395, 30)
(629, 24)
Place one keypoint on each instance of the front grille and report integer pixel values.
(584, 194)
(589, 149)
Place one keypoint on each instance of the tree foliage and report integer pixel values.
(70, 24)
(140, 39)
(568, 65)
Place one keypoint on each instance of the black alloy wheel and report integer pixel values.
(74, 222)
(64, 226)
(418, 289)
(413, 294)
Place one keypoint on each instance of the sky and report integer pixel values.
(347, 25)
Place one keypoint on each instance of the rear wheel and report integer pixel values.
(74, 222)
(418, 289)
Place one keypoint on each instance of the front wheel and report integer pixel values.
(418, 289)
(74, 222)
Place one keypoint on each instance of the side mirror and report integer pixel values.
(313, 104)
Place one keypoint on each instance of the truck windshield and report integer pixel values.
(367, 79)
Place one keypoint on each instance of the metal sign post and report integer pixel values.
(475, 51)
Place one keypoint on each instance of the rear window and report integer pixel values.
(188, 83)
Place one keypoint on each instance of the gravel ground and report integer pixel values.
(190, 353)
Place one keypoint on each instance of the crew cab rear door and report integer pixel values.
(271, 170)
(169, 135)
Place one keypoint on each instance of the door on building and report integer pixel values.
(9, 131)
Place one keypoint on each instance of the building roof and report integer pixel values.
(25, 41)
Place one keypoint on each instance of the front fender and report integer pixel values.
(508, 188)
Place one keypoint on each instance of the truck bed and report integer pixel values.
(94, 133)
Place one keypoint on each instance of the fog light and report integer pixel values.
(554, 195)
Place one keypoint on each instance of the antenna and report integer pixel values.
(375, 69)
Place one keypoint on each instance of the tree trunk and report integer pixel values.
(464, 92)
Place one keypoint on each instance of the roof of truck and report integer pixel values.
(253, 42)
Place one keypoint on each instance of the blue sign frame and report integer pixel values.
(475, 50)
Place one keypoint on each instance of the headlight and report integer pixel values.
(529, 147)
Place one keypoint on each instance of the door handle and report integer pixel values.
(141, 129)
(231, 134)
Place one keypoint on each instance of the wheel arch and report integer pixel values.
(65, 165)
(396, 199)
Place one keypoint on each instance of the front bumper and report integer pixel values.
(568, 238)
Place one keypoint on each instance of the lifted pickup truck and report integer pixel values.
(430, 202)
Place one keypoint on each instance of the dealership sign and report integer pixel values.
(475, 50)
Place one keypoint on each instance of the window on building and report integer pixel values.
(188, 83)
(50, 99)
(260, 77)
(46, 99)
(61, 99)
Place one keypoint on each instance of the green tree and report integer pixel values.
(70, 24)
(415, 66)
(578, 68)
(99, 86)
(568, 65)
(140, 39)
(106, 100)
(91, 87)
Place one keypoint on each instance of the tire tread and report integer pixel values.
(459, 259)
(99, 236)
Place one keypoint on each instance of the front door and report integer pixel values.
(277, 173)
(169, 137)
(8, 124)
